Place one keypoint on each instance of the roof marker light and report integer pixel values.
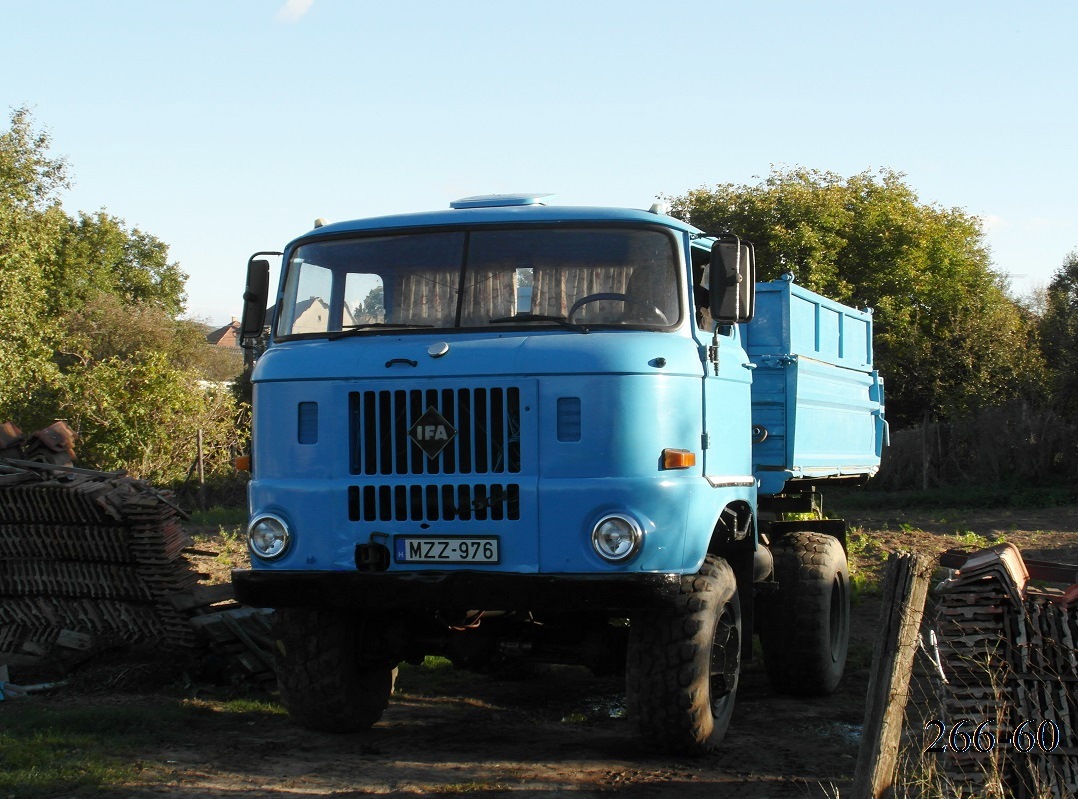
(499, 200)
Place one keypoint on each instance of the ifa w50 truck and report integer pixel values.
(514, 434)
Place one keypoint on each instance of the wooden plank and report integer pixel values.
(74, 640)
(904, 593)
(256, 650)
(201, 596)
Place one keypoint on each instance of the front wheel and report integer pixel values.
(326, 683)
(805, 625)
(683, 663)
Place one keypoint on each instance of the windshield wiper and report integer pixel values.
(538, 317)
(351, 330)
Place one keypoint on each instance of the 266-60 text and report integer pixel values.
(966, 736)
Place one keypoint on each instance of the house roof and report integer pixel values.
(227, 336)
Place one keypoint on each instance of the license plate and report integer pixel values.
(421, 549)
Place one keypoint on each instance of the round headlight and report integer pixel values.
(268, 536)
(617, 538)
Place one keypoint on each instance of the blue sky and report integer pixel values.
(227, 127)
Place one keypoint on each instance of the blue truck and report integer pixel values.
(515, 434)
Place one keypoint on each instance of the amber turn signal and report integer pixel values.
(242, 463)
(678, 459)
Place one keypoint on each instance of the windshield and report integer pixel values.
(594, 277)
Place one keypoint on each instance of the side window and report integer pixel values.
(308, 296)
(525, 279)
(364, 300)
(701, 297)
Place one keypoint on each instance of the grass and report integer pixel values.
(44, 751)
(218, 516)
(434, 676)
(58, 750)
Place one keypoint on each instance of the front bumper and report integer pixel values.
(464, 590)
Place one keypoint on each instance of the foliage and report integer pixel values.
(1059, 333)
(948, 338)
(132, 390)
(141, 414)
(105, 324)
(99, 255)
(31, 223)
(1028, 446)
(89, 330)
(374, 303)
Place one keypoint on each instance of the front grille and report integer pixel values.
(417, 503)
(486, 421)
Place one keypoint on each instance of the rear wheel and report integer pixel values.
(805, 625)
(326, 684)
(683, 664)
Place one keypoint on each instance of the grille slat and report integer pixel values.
(486, 420)
(447, 502)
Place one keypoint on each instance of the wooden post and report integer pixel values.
(201, 475)
(904, 592)
(926, 457)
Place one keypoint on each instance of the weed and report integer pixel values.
(863, 584)
(467, 787)
(863, 546)
(863, 551)
(971, 540)
(233, 544)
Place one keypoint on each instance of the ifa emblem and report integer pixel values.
(431, 432)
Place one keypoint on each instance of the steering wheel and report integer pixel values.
(606, 295)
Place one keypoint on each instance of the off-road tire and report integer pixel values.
(324, 683)
(805, 625)
(683, 662)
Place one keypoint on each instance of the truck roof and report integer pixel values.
(501, 214)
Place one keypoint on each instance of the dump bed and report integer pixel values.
(817, 402)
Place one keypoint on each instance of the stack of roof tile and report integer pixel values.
(87, 560)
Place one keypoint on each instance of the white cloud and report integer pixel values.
(293, 10)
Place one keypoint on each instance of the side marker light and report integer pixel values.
(678, 458)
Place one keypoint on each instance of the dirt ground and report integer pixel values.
(566, 732)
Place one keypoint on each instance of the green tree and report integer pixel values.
(948, 339)
(1059, 332)
(99, 254)
(89, 329)
(31, 223)
(374, 302)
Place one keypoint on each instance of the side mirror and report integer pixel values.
(732, 280)
(254, 298)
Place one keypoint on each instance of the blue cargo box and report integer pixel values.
(817, 403)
